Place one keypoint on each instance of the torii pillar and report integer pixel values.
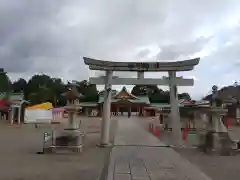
(106, 118)
(174, 115)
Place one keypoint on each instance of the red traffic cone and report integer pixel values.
(157, 132)
(152, 129)
(185, 134)
(228, 123)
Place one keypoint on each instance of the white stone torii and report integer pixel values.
(140, 68)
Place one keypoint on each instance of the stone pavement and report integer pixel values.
(138, 155)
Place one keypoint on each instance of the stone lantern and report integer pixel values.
(215, 135)
(71, 137)
(72, 96)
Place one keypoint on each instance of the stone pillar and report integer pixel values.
(86, 112)
(105, 129)
(140, 75)
(129, 111)
(117, 111)
(72, 124)
(11, 117)
(175, 115)
(218, 125)
(238, 115)
(19, 115)
(100, 110)
(70, 119)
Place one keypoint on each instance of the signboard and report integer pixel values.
(38, 116)
(145, 66)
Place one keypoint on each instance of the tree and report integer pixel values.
(5, 83)
(143, 90)
(89, 91)
(155, 94)
(19, 85)
(160, 97)
(185, 96)
(58, 87)
(42, 88)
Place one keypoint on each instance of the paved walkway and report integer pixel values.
(138, 155)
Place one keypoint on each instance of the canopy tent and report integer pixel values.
(43, 113)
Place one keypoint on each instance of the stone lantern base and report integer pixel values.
(69, 140)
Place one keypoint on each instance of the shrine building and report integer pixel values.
(124, 102)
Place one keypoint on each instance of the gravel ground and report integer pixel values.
(215, 166)
(19, 161)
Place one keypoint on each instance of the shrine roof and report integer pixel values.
(139, 99)
(125, 95)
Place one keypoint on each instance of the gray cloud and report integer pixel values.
(174, 51)
(143, 53)
(52, 36)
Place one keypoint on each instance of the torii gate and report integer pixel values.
(140, 67)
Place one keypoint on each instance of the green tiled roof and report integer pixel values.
(139, 99)
(162, 105)
(16, 97)
(159, 105)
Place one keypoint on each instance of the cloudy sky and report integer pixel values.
(52, 36)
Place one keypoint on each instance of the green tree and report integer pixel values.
(89, 91)
(19, 85)
(5, 83)
(140, 90)
(58, 87)
(155, 94)
(42, 88)
(160, 97)
(185, 96)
